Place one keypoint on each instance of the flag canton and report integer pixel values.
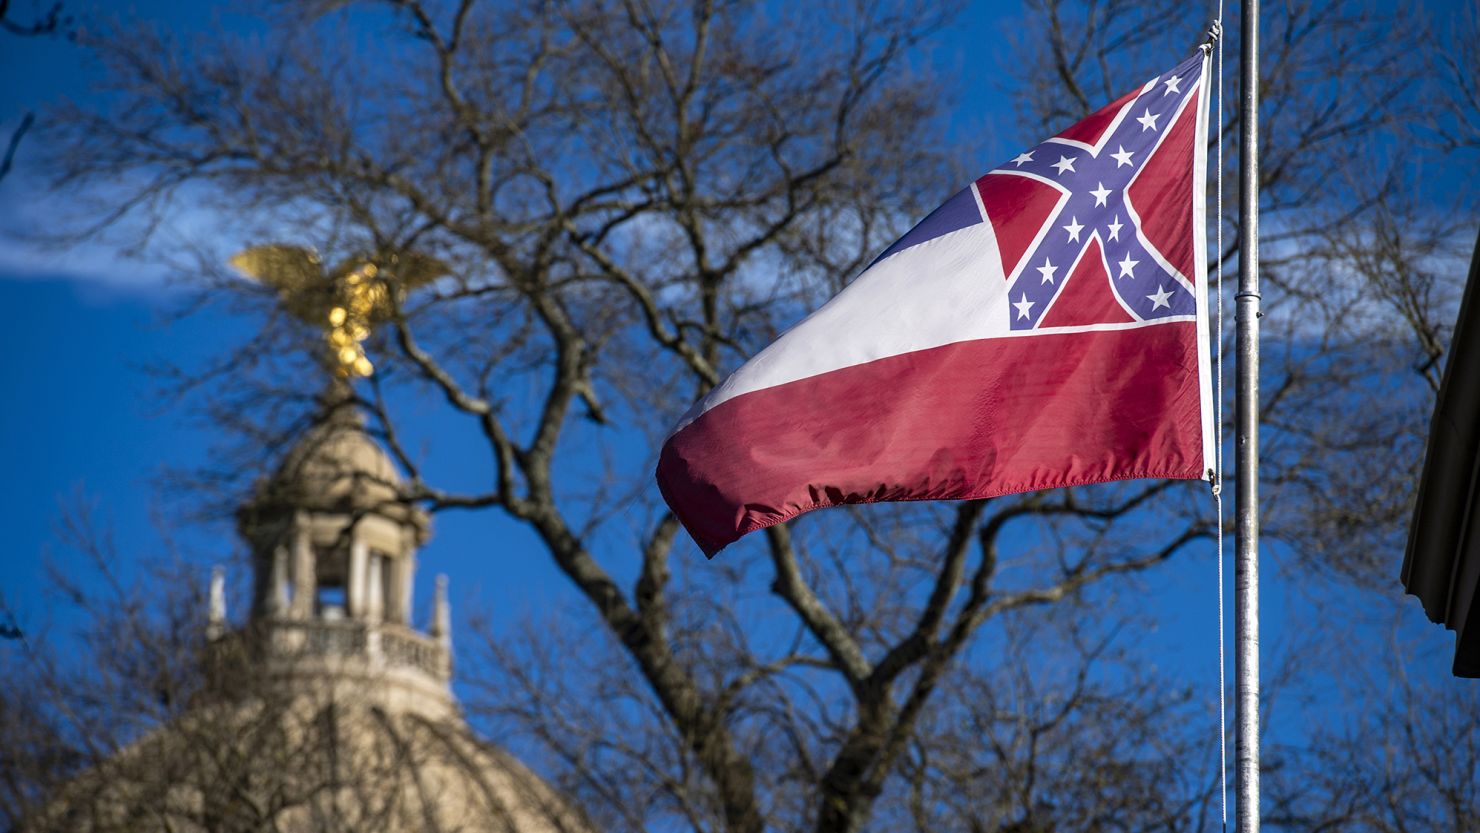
(1095, 215)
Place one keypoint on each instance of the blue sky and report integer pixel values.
(88, 420)
(81, 414)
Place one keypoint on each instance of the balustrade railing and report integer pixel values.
(386, 644)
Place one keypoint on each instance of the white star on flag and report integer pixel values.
(1046, 270)
(1022, 157)
(1159, 298)
(1024, 306)
(1148, 121)
(1126, 266)
(1074, 228)
(1172, 85)
(1122, 157)
(1115, 228)
(1064, 164)
(1100, 192)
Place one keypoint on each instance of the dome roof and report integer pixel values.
(336, 460)
(336, 467)
(307, 762)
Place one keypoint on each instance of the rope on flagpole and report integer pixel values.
(1216, 42)
(1222, 683)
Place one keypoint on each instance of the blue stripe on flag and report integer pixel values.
(957, 213)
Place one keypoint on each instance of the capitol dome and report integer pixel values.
(335, 466)
(326, 710)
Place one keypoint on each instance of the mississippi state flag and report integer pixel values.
(1045, 327)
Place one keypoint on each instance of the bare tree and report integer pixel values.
(1452, 39)
(633, 197)
(1058, 734)
(1074, 744)
(1404, 757)
(52, 22)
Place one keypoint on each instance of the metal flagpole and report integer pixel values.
(1246, 509)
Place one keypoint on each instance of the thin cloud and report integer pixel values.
(147, 251)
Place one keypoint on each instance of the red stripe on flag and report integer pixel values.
(966, 420)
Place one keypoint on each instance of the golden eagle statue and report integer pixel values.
(346, 300)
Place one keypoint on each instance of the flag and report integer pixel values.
(1442, 564)
(1045, 327)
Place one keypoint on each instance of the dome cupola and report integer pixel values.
(334, 546)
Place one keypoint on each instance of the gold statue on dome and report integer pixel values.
(346, 300)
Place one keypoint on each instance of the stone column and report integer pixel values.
(275, 598)
(374, 588)
(354, 591)
(402, 599)
(441, 629)
(305, 582)
(216, 614)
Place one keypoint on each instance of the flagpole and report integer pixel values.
(1246, 508)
